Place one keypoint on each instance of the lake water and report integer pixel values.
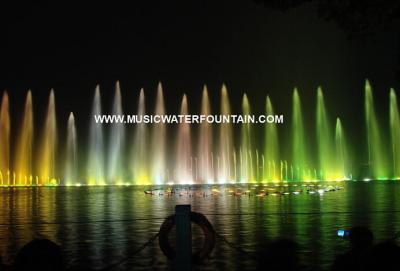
(97, 226)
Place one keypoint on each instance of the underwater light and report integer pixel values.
(383, 178)
(210, 181)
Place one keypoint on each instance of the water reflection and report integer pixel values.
(100, 225)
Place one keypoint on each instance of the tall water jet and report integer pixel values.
(4, 141)
(139, 148)
(116, 142)
(183, 170)
(271, 145)
(246, 167)
(159, 134)
(341, 157)
(47, 162)
(71, 153)
(324, 139)
(95, 168)
(23, 158)
(225, 140)
(376, 150)
(204, 153)
(395, 133)
(299, 156)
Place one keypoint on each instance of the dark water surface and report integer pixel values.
(97, 226)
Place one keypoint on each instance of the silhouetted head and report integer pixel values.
(361, 237)
(281, 254)
(384, 256)
(39, 254)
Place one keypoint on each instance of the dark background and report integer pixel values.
(257, 47)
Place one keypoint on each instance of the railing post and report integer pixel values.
(183, 260)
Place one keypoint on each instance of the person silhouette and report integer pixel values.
(384, 256)
(361, 240)
(39, 254)
(280, 255)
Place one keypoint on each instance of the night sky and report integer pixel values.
(250, 46)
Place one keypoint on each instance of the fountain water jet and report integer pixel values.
(204, 153)
(4, 141)
(71, 153)
(376, 150)
(23, 165)
(47, 164)
(139, 149)
(271, 148)
(224, 169)
(95, 169)
(341, 153)
(395, 133)
(159, 133)
(116, 142)
(324, 139)
(183, 164)
(299, 155)
(246, 168)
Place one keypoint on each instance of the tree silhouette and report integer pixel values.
(359, 19)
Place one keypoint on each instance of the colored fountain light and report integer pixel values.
(299, 169)
(5, 141)
(377, 152)
(271, 150)
(205, 157)
(140, 160)
(22, 172)
(95, 164)
(204, 153)
(395, 134)
(71, 156)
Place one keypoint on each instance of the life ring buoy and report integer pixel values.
(202, 222)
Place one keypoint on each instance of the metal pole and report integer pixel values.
(183, 260)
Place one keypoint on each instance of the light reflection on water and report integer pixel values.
(100, 225)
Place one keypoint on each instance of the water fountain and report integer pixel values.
(183, 159)
(271, 150)
(205, 145)
(225, 157)
(95, 168)
(395, 133)
(376, 150)
(4, 141)
(324, 139)
(116, 143)
(71, 154)
(22, 172)
(159, 174)
(118, 155)
(341, 157)
(300, 169)
(245, 157)
(47, 164)
(139, 157)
